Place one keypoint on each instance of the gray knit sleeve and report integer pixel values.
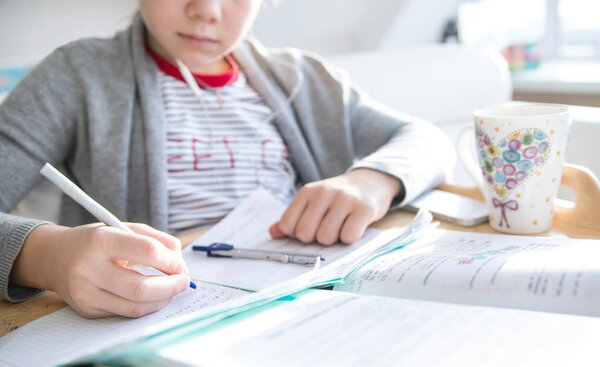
(13, 231)
(419, 154)
(36, 126)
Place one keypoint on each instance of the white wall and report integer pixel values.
(420, 22)
(30, 29)
(327, 26)
(333, 27)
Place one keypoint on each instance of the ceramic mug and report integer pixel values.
(521, 151)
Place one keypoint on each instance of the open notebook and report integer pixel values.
(64, 335)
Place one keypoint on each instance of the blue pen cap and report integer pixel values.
(217, 246)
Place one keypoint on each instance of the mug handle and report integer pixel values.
(584, 217)
(471, 165)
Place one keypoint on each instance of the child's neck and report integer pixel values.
(219, 67)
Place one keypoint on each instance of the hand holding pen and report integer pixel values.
(85, 265)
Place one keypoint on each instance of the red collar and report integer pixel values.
(213, 81)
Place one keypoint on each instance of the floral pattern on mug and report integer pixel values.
(514, 159)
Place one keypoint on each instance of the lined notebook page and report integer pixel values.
(64, 335)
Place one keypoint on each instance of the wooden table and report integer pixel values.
(580, 221)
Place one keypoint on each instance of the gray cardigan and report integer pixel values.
(94, 106)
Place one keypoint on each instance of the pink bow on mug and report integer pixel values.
(512, 205)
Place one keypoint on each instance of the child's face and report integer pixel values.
(198, 32)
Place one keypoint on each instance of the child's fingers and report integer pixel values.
(276, 233)
(308, 223)
(147, 251)
(289, 219)
(111, 304)
(171, 242)
(355, 225)
(166, 239)
(134, 286)
(329, 230)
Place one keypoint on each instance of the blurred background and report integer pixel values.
(437, 59)
(552, 46)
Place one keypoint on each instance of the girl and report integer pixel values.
(171, 123)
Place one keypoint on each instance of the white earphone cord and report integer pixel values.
(287, 170)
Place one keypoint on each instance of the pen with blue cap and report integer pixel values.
(77, 194)
(218, 249)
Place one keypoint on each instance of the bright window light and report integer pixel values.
(559, 28)
(579, 28)
(500, 23)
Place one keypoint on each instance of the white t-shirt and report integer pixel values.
(219, 149)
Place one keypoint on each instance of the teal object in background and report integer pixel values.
(9, 77)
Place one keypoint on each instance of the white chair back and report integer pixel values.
(438, 82)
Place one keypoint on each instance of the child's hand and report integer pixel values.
(85, 265)
(339, 208)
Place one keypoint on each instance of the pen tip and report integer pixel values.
(193, 285)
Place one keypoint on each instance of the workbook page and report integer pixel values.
(324, 328)
(64, 335)
(547, 274)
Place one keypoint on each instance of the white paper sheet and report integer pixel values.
(322, 328)
(247, 226)
(546, 274)
(64, 335)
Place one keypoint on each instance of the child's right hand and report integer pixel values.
(85, 266)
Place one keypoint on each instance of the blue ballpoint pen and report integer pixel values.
(77, 194)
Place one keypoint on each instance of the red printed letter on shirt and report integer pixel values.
(263, 153)
(198, 158)
(174, 157)
(231, 159)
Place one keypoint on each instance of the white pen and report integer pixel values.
(83, 199)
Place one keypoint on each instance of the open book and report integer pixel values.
(545, 274)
